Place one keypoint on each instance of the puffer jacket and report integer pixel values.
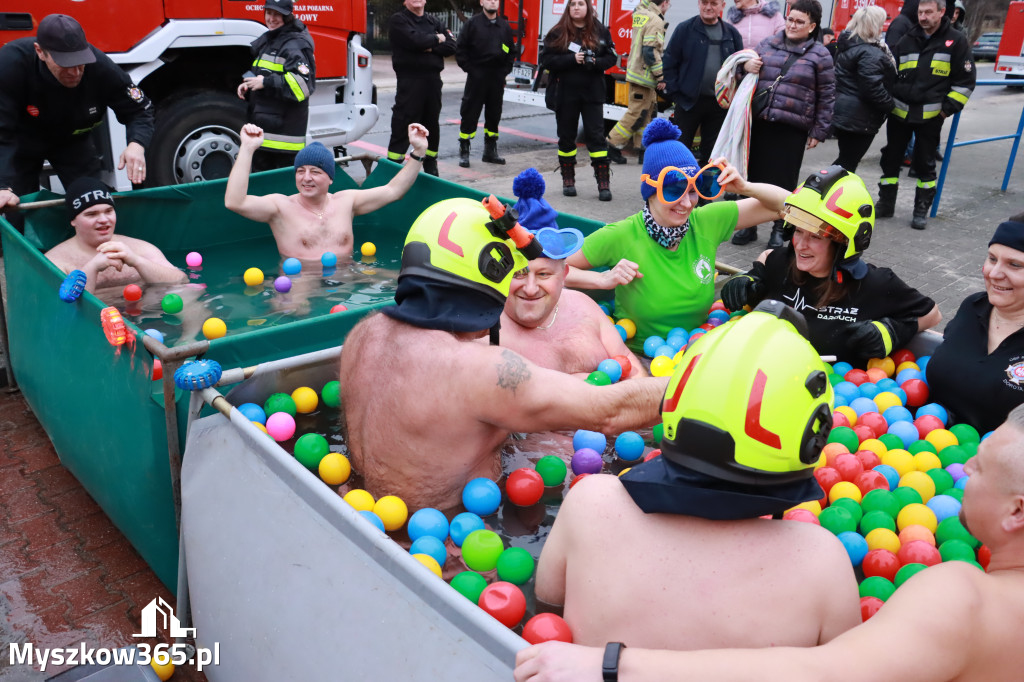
(865, 76)
(757, 23)
(903, 22)
(805, 96)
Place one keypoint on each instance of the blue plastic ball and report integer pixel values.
(863, 405)
(718, 315)
(675, 342)
(666, 350)
(253, 412)
(899, 393)
(935, 410)
(679, 331)
(922, 362)
(897, 413)
(629, 446)
(652, 344)
(481, 496)
(612, 368)
(372, 518)
(464, 524)
(623, 334)
(891, 475)
(156, 334)
(856, 546)
(959, 485)
(908, 374)
(869, 390)
(606, 306)
(291, 266)
(430, 546)
(848, 390)
(842, 368)
(428, 522)
(328, 260)
(887, 384)
(594, 440)
(839, 401)
(944, 506)
(905, 431)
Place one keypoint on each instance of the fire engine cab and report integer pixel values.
(1010, 58)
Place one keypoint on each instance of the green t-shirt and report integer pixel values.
(677, 287)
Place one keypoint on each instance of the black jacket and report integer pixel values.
(864, 80)
(37, 110)
(935, 73)
(904, 21)
(284, 57)
(585, 79)
(685, 55)
(485, 45)
(414, 44)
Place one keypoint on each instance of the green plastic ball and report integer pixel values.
(279, 402)
(970, 448)
(943, 479)
(965, 433)
(834, 379)
(515, 565)
(837, 520)
(481, 549)
(952, 529)
(657, 433)
(851, 506)
(907, 572)
(846, 436)
(956, 550)
(907, 495)
(953, 454)
(876, 519)
(310, 448)
(880, 500)
(598, 378)
(876, 586)
(331, 394)
(891, 441)
(921, 446)
(955, 493)
(172, 304)
(469, 584)
(552, 469)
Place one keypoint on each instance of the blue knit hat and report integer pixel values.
(663, 148)
(534, 210)
(316, 154)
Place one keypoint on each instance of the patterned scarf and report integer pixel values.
(669, 237)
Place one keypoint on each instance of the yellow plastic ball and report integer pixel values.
(610, 319)
(368, 249)
(941, 439)
(430, 562)
(926, 461)
(334, 468)
(916, 515)
(305, 399)
(253, 277)
(849, 413)
(629, 326)
(392, 511)
(814, 506)
(906, 365)
(662, 366)
(885, 364)
(900, 460)
(883, 538)
(261, 427)
(624, 471)
(921, 482)
(885, 400)
(214, 328)
(874, 445)
(845, 489)
(359, 499)
(164, 669)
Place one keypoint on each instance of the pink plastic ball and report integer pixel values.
(194, 259)
(283, 284)
(339, 308)
(280, 426)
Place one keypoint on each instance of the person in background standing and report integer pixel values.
(755, 20)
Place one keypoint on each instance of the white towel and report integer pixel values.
(734, 138)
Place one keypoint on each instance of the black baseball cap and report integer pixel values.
(279, 6)
(64, 39)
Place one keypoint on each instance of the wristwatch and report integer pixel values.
(610, 664)
(412, 155)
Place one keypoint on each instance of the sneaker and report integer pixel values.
(615, 155)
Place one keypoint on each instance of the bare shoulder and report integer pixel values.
(60, 251)
(816, 545)
(581, 303)
(598, 497)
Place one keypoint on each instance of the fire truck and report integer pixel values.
(1010, 58)
(188, 56)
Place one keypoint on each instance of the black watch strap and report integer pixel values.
(412, 155)
(610, 664)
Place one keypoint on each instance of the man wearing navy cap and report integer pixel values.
(54, 90)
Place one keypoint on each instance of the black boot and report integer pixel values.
(491, 151)
(922, 204)
(885, 207)
(464, 145)
(430, 165)
(567, 164)
(615, 155)
(603, 175)
(744, 236)
(775, 241)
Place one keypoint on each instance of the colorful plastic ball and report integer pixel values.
(953, 454)
(339, 308)
(902, 355)
(291, 266)
(984, 556)
(361, 500)
(652, 454)
(469, 584)
(900, 460)
(310, 448)
(942, 439)
(841, 368)
(851, 506)
(956, 550)
(869, 606)
(965, 433)
(194, 259)
(172, 304)
(652, 344)
(462, 525)
(827, 477)
(587, 461)
(915, 532)
(481, 496)
(392, 511)
(891, 442)
(905, 431)
(629, 446)
(887, 384)
(505, 602)
(625, 364)
(282, 284)
(935, 410)
(942, 479)
(848, 414)
(845, 436)
(132, 293)
(334, 468)
(956, 470)
(801, 515)
(856, 546)
(611, 368)
(921, 482)
(876, 586)
(844, 489)
(871, 480)
(253, 412)
(662, 366)
(598, 378)
(552, 470)
(547, 627)
(279, 402)
(428, 522)
(158, 369)
(917, 515)
(847, 390)
(331, 394)
(956, 493)
(155, 334)
(882, 563)
(907, 374)
(594, 440)
(430, 562)
(372, 518)
(885, 400)
(430, 546)
(898, 413)
(524, 487)
(869, 390)
(848, 466)
(162, 665)
(622, 332)
(836, 520)
(951, 528)
(863, 405)
(881, 500)
(917, 392)
(253, 277)
(865, 432)
(905, 496)
(874, 520)
(576, 479)
(890, 473)
(907, 572)
(368, 249)
(328, 259)
(481, 549)
(927, 423)
(306, 399)
(280, 426)
(515, 565)
(883, 538)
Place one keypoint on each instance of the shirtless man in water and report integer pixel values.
(107, 260)
(426, 406)
(314, 221)
(949, 623)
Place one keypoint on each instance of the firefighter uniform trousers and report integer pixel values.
(485, 88)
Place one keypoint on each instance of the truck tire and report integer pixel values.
(195, 138)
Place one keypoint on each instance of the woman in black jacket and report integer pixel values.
(577, 52)
(865, 75)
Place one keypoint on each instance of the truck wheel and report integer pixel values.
(196, 138)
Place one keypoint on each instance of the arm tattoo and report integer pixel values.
(513, 371)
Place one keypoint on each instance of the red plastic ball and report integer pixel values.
(867, 481)
(903, 355)
(984, 556)
(525, 487)
(827, 477)
(864, 432)
(804, 515)
(917, 392)
(875, 422)
(158, 369)
(652, 454)
(132, 292)
(547, 627)
(869, 606)
(880, 562)
(707, 326)
(927, 423)
(848, 466)
(339, 308)
(625, 364)
(576, 479)
(919, 552)
(856, 376)
(717, 305)
(868, 458)
(505, 602)
(839, 419)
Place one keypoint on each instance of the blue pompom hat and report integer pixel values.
(534, 210)
(663, 148)
(316, 154)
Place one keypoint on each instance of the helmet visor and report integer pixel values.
(808, 222)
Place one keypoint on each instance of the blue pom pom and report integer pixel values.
(660, 130)
(529, 184)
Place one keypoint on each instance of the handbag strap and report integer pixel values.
(790, 60)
